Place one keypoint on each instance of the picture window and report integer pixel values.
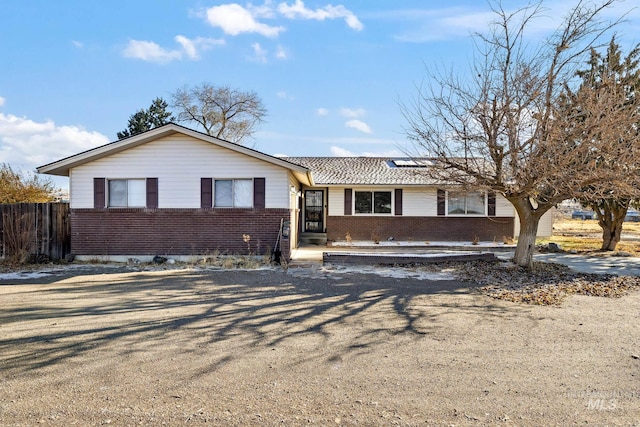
(373, 202)
(466, 203)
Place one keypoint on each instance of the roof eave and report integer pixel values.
(61, 167)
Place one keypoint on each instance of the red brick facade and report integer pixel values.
(413, 228)
(176, 231)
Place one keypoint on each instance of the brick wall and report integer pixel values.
(175, 231)
(419, 228)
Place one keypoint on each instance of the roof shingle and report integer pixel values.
(362, 171)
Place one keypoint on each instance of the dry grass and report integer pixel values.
(586, 236)
(590, 226)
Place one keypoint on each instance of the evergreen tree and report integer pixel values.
(143, 120)
(611, 75)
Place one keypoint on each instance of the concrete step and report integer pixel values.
(313, 238)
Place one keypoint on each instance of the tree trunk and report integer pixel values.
(529, 220)
(610, 218)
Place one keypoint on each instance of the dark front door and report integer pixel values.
(314, 211)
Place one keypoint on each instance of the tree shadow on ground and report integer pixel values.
(198, 308)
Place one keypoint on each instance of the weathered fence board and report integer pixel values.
(37, 230)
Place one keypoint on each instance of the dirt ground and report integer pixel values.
(109, 346)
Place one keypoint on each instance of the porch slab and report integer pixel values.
(310, 253)
(393, 258)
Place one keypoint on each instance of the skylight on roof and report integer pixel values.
(411, 163)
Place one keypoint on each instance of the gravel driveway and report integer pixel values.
(110, 346)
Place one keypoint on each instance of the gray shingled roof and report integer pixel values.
(361, 171)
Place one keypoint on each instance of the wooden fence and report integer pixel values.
(35, 231)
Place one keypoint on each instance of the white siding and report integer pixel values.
(179, 162)
(504, 207)
(295, 211)
(416, 201)
(545, 226)
(336, 201)
(419, 201)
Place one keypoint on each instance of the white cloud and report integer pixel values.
(317, 139)
(152, 52)
(149, 51)
(358, 125)
(387, 153)
(262, 11)
(188, 46)
(2, 101)
(298, 10)
(352, 112)
(353, 22)
(77, 44)
(259, 54)
(281, 53)
(26, 144)
(322, 111)
(234, 19)
(436, 24)
(441, 24)
(284, 95)
(343, 152)
(191, 47)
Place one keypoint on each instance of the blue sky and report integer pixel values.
(330, 74)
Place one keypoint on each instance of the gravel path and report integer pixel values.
(114, 346)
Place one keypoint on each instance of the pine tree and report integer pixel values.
(610, 75)
(143, 120)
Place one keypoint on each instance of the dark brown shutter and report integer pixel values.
(398, 201)
(442, 196)
(206, 192)
(99, 193)
(491, 204)
(347, 201)
(152, 193)
(258, 193)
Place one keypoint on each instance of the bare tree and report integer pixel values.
(615, 79)
(225, 113)
(498, 129)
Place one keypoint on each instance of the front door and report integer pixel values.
(314, 211)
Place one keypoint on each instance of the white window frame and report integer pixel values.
(133, 200)
(372, 191)
(485, 203)
(233, 193)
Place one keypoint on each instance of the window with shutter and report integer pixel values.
(259, 193)
(398, 201)
(152, 193)
(99, 193)
(206, 192)
(348, 192)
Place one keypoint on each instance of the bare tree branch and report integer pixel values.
(223, 112)
(501, 129)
